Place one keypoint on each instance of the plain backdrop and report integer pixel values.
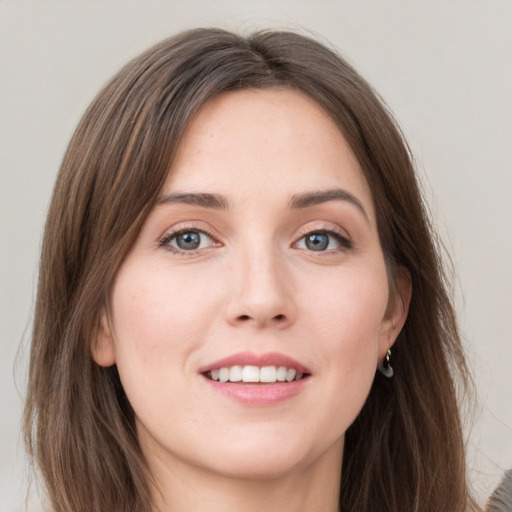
(445, 69)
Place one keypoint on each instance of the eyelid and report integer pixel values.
(171, 233)
(342, 237)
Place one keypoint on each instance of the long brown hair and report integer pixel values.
(405, 451)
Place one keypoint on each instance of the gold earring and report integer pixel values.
(384, 367)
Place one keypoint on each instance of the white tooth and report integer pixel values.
(281, 373)
(215, 374)
(251, 374)
(290, 374)
(299, 376)
(224, 374)
(235, 374)
(268, 374)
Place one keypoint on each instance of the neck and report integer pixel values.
(187, 489)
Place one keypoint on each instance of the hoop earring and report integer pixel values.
(384, 367)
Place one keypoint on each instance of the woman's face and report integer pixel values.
(262, 252)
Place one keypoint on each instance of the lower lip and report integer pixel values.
(258, 394)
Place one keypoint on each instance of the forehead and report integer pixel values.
(265, 141)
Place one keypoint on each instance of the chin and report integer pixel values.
(273, 455)
(262, 467)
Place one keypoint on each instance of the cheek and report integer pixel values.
(347, 326)
(158, 322)
(349, 306)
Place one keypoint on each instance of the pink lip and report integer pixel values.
(250, 358)
(257, 394)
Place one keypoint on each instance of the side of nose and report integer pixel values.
(260, 292)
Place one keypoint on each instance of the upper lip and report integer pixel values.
(252, 359)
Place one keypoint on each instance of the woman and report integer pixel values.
(241, 305)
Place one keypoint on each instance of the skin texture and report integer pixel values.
(253, 285)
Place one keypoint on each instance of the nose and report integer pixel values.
(260, 292)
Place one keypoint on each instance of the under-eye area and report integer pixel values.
(255, 374)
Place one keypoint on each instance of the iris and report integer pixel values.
(317, 241)
(188, 241)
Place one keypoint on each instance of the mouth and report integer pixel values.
(257, 380)
(251, 374)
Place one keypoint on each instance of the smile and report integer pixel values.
(258, 380)
(255, 374)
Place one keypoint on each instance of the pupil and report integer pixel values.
(188, 241)
(317, 242)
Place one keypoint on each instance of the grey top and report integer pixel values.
(501, 498)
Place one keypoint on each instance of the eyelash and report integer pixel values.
(345, 243)
(164, 242)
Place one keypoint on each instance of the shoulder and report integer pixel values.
(501, 498)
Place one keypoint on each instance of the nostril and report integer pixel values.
(279, 319)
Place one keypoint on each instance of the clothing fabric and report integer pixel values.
(501, 498)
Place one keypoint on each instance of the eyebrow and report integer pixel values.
(205, 200)
(300, 201)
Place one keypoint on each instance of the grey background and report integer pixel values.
(444, 67)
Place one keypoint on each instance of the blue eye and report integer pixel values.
(187, 240)
(319, 241)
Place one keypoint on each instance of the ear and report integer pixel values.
(103, 348)
(397, 310)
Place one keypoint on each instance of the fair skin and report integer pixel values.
(270, 272)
